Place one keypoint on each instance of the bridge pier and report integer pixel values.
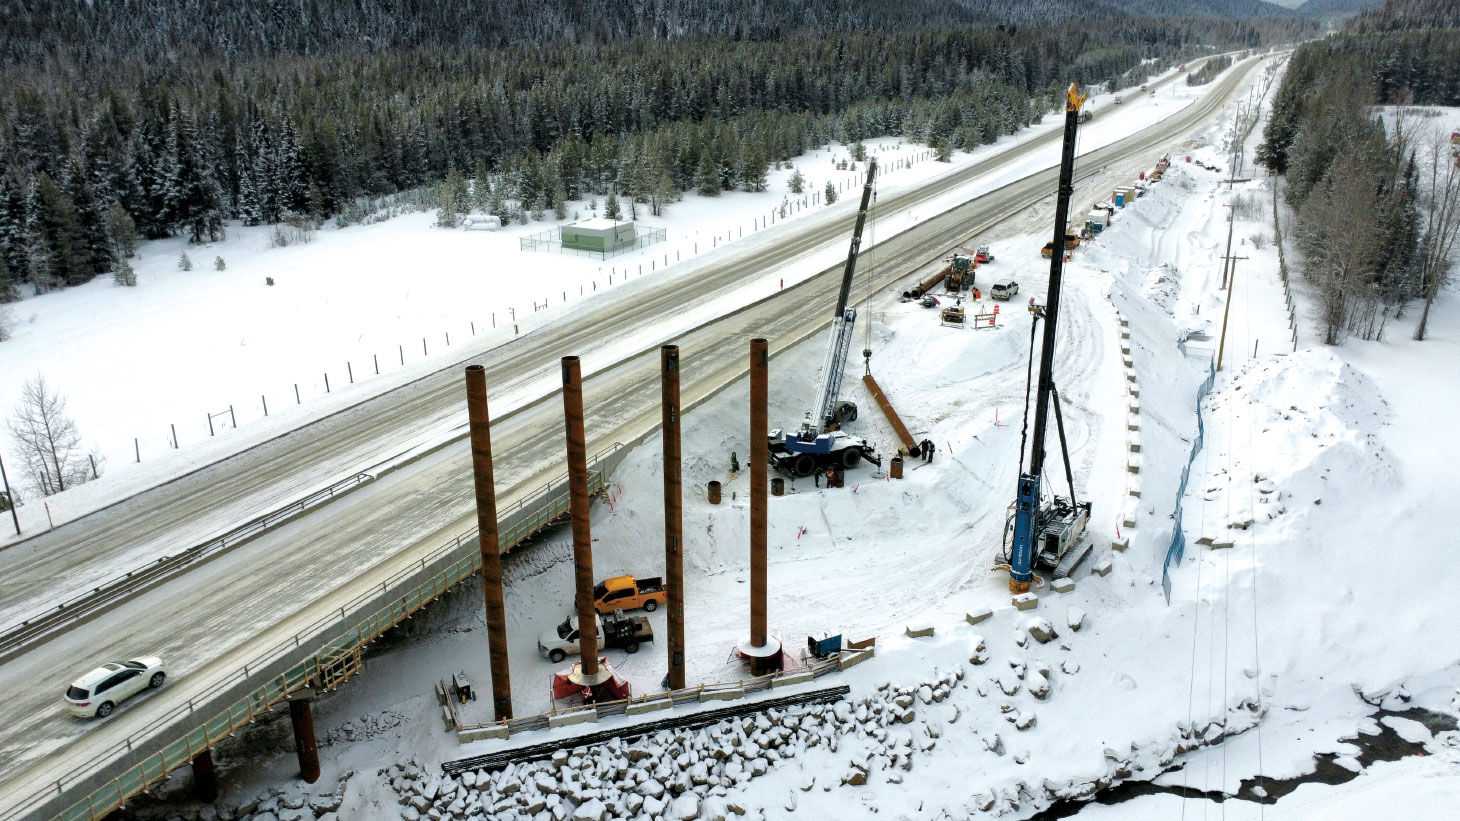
(205, 778)
(301, 716)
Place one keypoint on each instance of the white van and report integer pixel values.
(1003, 289)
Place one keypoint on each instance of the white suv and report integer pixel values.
(99, 692)
(1004, 288)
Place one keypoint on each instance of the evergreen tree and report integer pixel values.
(59, 229)
(797, 183)
(829, 193)
(611, 208)
(707, 178)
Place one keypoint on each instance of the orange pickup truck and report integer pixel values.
(628, 593)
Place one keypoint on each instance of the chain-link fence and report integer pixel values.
(552, 240)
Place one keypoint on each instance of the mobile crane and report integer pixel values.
(820, 443)
(1047, 531)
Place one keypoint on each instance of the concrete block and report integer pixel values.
(1133, 422)
(849, 660)
(1103, 569)
(638, 708)
(1121, 545)
(1062, 586)
(575, 717)
(722, 695)
(976, 616)
(1205, 541)
(919, 630)
(1134, 491)
(1133, 464)
(792, 678)
(1127, 362)
(1133, 442)
(1135, 405)
(1220, 545)
(1026, 601)
(1124, 322)
(1135, 391)
(1130, 376)
(499, 731)
(1125, 347)
(1128, 519)
(447, 719)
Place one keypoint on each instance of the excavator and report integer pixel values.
(820, 443)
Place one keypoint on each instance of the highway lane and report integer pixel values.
(210, 620)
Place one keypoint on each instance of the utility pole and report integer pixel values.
(1227, 254)
(1227, 311)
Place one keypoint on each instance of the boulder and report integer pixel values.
(1075, 618)
(1040, 628)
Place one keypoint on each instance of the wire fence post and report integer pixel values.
(210, 424)
(264, 399)
(296, 393)
(137, 446)
(402, 350)
(174, 435)
(231, 417)
(375, 357)
(350, 369)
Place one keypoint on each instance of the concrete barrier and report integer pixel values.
(848, 661)
(1103, 569)
(1026, 601)
(919, 631)
(722, 695)
(793, 678)
(1121, 545)
(468, 735)
(575, 717)
(638, 708)
(1062, 586)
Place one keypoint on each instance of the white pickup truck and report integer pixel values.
(614, 630)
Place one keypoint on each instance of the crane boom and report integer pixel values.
(842, 322)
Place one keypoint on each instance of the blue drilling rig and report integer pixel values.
(1046, 531)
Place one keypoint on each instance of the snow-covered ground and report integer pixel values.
(1332, 602)
(1321, 467)
(136, 363)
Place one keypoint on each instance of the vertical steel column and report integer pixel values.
(578, 512)
(486, 495)
(303, 720)
(205, 778)
(673, 511)
(759, 438)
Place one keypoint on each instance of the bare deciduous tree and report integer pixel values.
(1440, 218)
(48, 441)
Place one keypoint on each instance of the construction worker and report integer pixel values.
(931, 447)
(816, 477)
(734, 463)
(831, 477)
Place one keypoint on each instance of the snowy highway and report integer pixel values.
(207, 621)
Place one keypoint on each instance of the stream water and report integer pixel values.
(1386, 745)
